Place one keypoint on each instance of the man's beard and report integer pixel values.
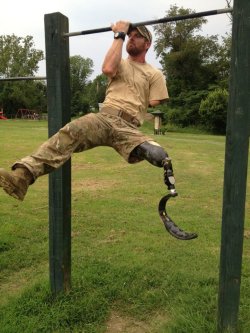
(133, 51)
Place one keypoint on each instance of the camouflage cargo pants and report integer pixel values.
(89, 131)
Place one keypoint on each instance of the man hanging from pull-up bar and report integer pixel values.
(133, 86)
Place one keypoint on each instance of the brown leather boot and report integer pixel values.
(16, 182)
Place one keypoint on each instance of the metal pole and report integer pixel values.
(235, 173)
(24, 78)
(58, 93)
(151, 22)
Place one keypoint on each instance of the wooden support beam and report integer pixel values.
(58, 93)
(235, 174)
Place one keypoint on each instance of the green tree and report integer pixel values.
(213, 111)
(80, 71)
(18, 57)
(23, 95)
(222, 66)
(186, 57)
(193, 64)
(97, 90)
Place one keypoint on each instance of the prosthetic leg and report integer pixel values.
(156, 155)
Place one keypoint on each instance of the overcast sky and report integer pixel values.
(26, 17)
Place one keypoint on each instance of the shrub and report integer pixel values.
(213, 111)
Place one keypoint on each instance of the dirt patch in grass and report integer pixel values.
(19, 281)
(113, 237)
(247, 233)
(124, 324)
(93, 185)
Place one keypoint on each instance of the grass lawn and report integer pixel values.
(128, 274)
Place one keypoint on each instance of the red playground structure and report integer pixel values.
(2, 117)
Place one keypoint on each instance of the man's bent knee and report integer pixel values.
(153, 153)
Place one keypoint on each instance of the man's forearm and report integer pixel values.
(114, 55)
(113, 58)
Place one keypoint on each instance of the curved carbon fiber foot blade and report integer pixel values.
(171, 227)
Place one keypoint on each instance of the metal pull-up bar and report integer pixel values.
(152, 22)
(23, 78)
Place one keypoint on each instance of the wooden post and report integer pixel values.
(235, 174)
(58, 94)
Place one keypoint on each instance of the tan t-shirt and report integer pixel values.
(134, 85)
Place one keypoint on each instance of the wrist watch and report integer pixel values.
(119, 34)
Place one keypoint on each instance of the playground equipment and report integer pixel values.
(236, 158)
(57, 66)
(23, 113)
(2, 117)
(27, 114)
